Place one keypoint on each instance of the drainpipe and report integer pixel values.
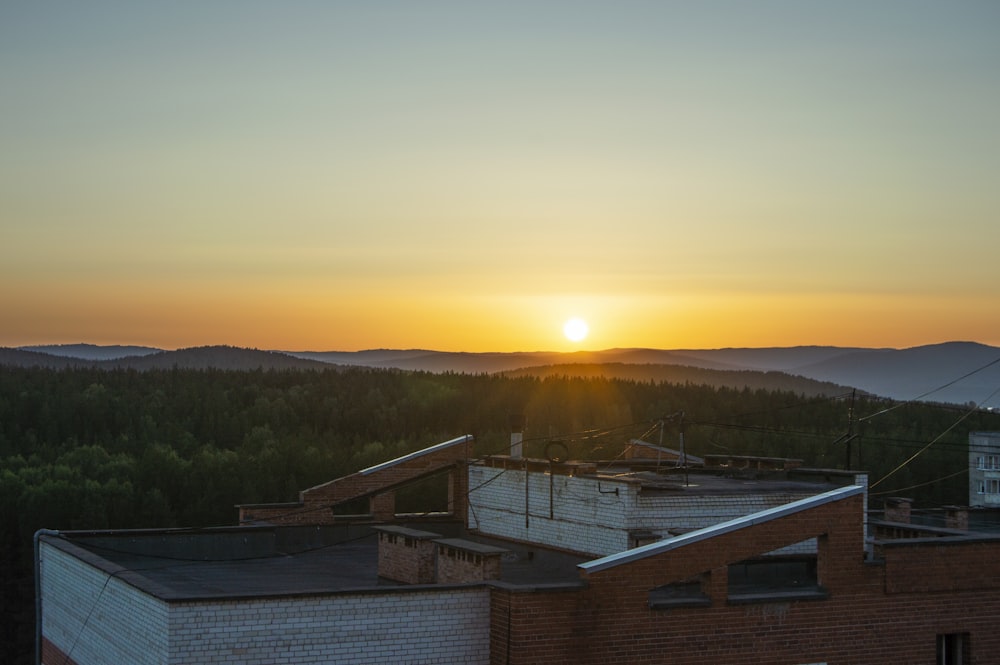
(38, 591)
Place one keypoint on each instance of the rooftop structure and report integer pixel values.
(744, 560)
(984, 469)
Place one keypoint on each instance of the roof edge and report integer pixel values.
(419, 453)
(661, 546)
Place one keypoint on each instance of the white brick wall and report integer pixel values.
(100, 620)
(448, 626)
(583, 515)
(97, 618)
(661, 513)
(586, 515)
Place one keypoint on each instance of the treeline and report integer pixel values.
(97, 449)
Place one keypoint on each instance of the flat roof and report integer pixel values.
(253, 562)
(666, 477)
(703, 482)
(471, 546)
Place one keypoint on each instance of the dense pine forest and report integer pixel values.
(98, 449)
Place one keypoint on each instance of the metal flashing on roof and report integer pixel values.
(691, 459)
(424, 451)
(470, 546)
(406, 532)
(662, 546)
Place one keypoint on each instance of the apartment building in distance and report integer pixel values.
(984, 469)
(536, 561)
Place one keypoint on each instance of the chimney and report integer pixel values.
(897, 509)
(516, 434)
(956, 517)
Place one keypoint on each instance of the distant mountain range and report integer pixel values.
(145, 358)
(953, 372)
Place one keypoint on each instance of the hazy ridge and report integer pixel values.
(952, 372)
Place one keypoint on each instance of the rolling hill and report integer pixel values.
(952, 372)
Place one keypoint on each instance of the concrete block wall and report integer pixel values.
(92, 618)
(425, 627)
(583, 515)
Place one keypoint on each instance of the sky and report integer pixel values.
(467, 176)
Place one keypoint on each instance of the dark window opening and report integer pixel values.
(424, 496)
(352, 507)
(953, 649)
(767, 577)
(684, 593)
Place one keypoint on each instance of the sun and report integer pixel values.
(576, 329)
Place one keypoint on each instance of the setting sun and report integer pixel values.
(576, 330)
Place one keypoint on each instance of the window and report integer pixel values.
(775, 573)
(684, 593)
(989, 486)
(953, 649)
(988, 462)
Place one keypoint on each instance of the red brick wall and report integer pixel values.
(358, 484)
(404, 559)
(316, 501)
(859, 624)
(456, 566)
(53, 655)
(941, 565)
(285, 514)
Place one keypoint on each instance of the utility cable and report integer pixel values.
(912, 457)
(939, 388)
(582, 435)
(929, 482)
(794, 405)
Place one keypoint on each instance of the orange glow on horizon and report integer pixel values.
(703, 190)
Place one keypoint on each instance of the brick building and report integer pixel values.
(744, 560)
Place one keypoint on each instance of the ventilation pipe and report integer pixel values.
(516, 434)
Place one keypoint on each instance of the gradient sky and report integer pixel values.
(466, 176)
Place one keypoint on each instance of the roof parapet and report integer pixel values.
(419, 453)
(669, 544)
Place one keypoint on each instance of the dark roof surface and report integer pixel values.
(182, 565)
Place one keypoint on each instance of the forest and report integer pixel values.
(88, 448)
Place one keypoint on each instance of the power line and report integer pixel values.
(931, 443)
(929, 482)
(939, 388)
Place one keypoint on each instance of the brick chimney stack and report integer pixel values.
(897, 509)
(956, 517)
